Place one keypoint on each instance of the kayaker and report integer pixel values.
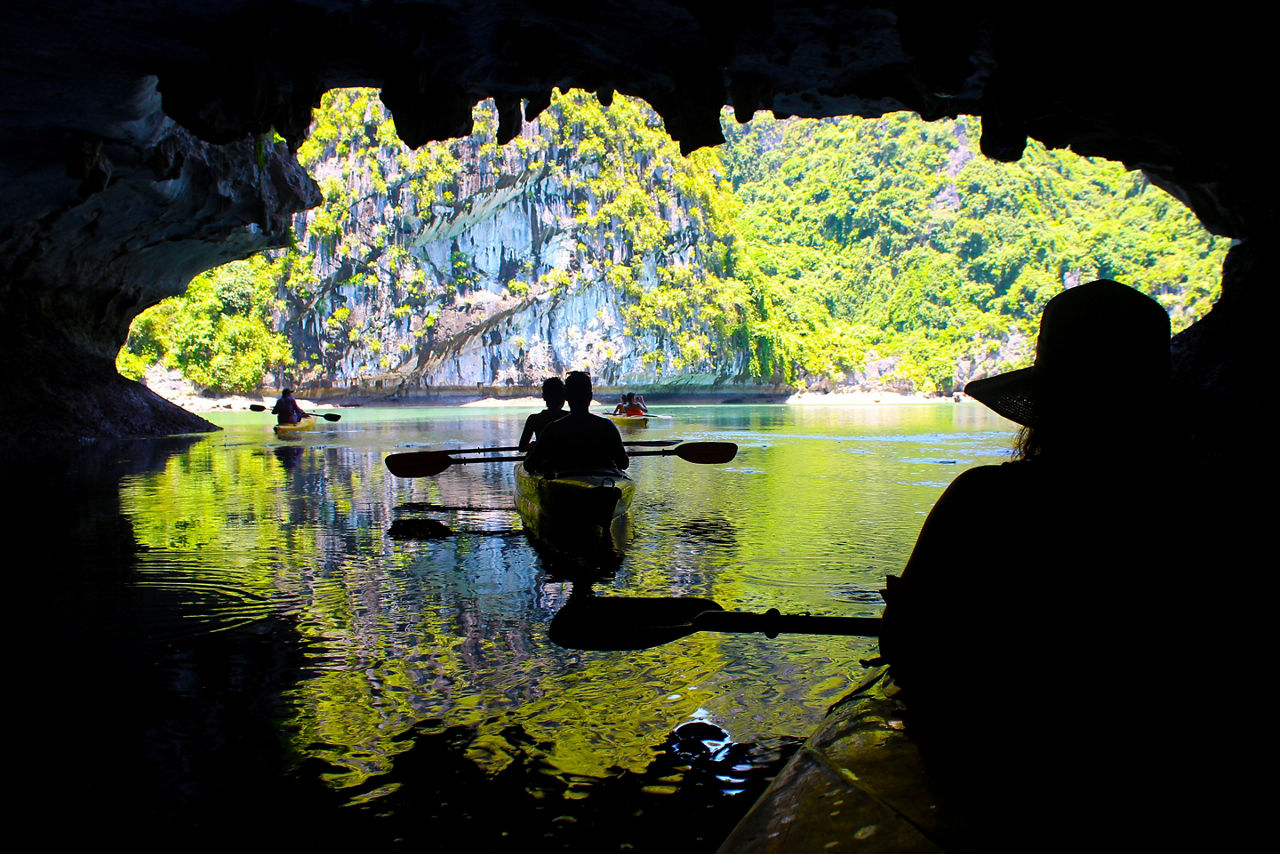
(287, 410)
(580, 441)
(553, 396)
(1034, 631)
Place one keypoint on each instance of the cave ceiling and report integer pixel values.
(1172, 93)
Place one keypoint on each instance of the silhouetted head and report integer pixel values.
(553, 392)
(286, 393)
(577, 390)
(1102, 359)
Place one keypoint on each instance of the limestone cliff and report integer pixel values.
(880, 254)
(475, 263)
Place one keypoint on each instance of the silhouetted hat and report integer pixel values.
(1103, 339)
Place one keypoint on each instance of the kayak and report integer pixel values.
(302, 426)
(629, 421)
(871, 780)
(859, 779)
(574, 509)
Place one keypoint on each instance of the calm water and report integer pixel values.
(244, 638)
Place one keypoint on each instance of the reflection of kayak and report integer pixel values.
(294, 429)
(573, 509)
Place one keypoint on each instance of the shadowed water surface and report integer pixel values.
(250, 642)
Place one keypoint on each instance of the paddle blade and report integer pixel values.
(257, 407)
(418, 529)
(418, 463)
(331, 416)
(706, 452)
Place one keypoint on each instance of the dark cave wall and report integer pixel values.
(138, 207)
(133, 135)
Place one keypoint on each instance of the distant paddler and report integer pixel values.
(580, 441)
(553, 395)
(287, 410)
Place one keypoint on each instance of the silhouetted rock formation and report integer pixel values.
(107, 204)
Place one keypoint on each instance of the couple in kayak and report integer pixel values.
(631, 404)
(577, 441)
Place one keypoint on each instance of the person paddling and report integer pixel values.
(287, 410)
(553, 396)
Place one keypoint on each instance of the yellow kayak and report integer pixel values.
(285, 430)
(629, 422)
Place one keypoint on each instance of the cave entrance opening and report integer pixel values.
(826, 254)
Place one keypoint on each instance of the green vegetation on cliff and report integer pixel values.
(876, 252)
(895, 239)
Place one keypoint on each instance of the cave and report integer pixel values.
(138, 143)
(141, 143)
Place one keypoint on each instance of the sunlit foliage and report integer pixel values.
(896, 238)
(218, 334)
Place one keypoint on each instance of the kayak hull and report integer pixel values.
(630, 422)
(875, 779)
(303, 426)
(575, 512)
(859, 779)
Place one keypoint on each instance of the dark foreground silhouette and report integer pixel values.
(1056, 625)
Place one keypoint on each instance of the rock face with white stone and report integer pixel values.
(513, 279)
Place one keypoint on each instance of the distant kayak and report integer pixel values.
(294, 429)
(630, 420)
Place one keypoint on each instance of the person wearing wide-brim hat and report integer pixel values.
(1043, 587)
(1102, 360)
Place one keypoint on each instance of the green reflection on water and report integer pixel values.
(408, 637)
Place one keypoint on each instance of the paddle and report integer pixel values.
(327, 416)
(651, 443)
(622, 623)
(429, 463)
